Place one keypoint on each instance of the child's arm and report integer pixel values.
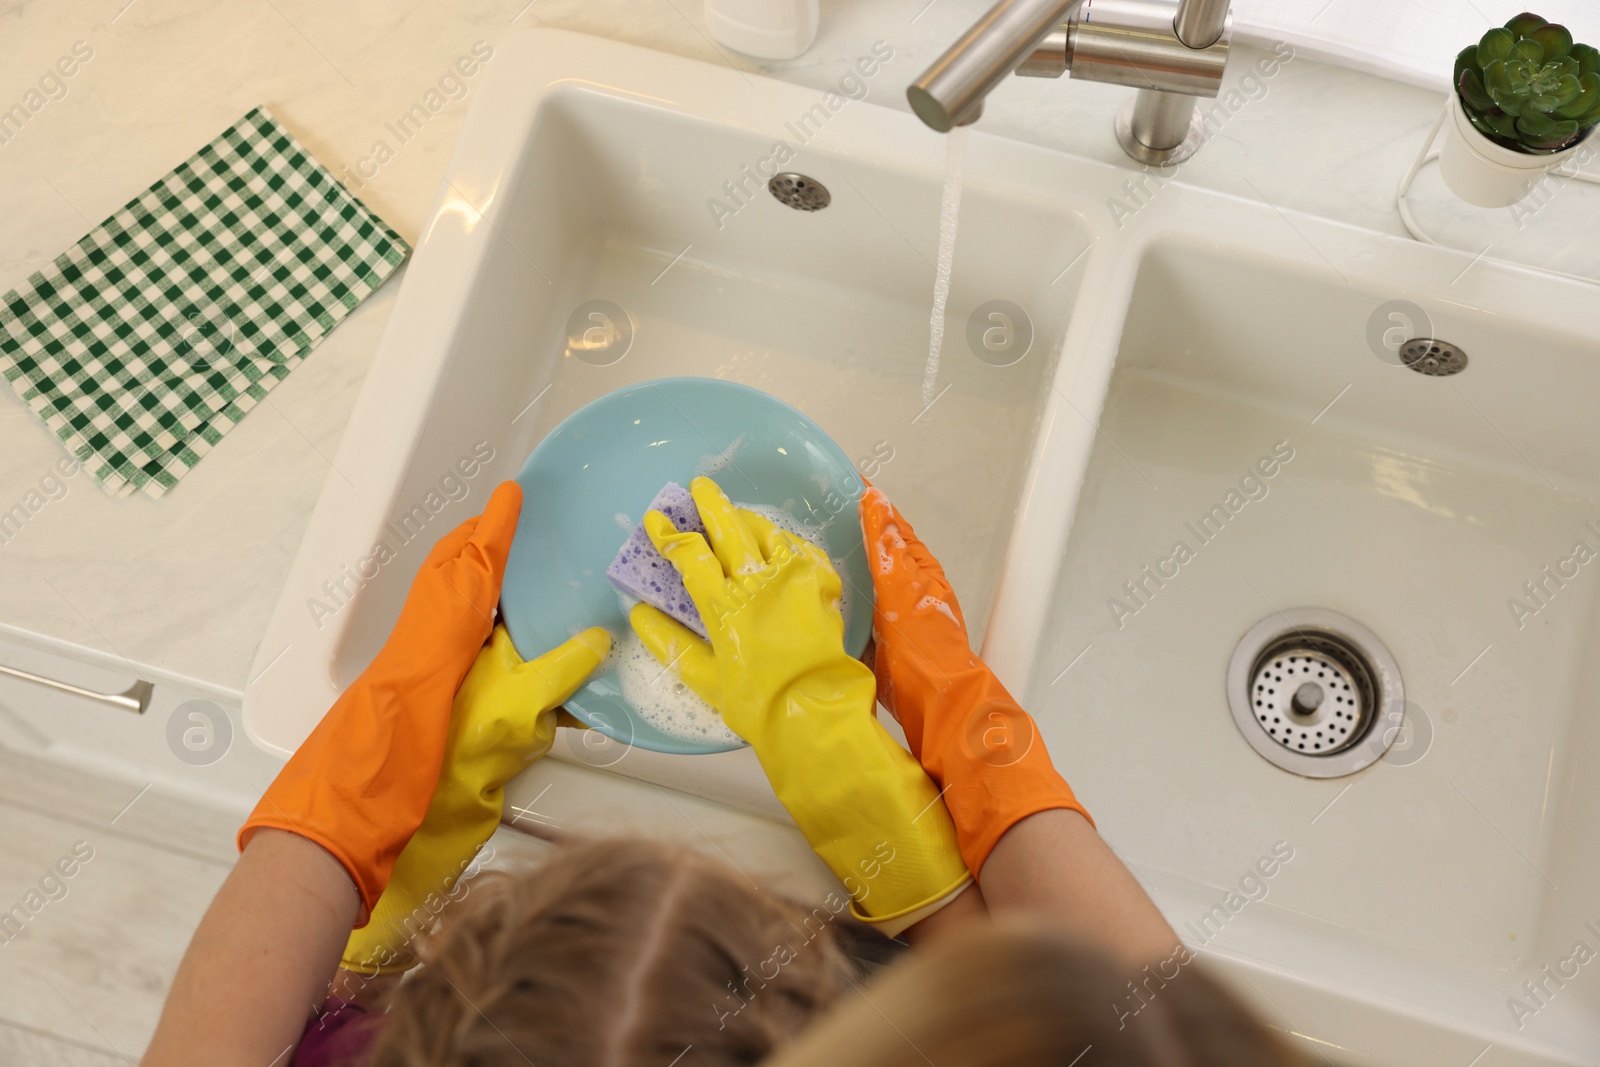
(259, 964)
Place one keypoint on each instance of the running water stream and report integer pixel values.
(949, 208)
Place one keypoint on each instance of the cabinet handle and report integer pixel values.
(136, 698)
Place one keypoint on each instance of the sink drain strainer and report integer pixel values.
(799, 191)
(1315, 692)
(1433, 357)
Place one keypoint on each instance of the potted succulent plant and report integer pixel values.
(1525, 100)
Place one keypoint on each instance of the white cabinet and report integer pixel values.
(186, 741)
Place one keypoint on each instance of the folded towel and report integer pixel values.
(145, 342)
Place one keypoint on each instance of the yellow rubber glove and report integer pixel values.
(504, 718)
(777, 670)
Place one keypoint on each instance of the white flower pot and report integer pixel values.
(1486, 174)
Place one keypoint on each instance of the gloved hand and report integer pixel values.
(361, 783)
(973, 739)
(777, 670)
(504, 719)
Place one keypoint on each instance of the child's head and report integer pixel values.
(614, 953)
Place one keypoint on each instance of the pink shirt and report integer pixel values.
(342, 1036)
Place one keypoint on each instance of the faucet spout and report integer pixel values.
(1200, 22)
(1172, 51)
(950, 93)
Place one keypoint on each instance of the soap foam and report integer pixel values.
(782, 516)
(937, 605)
(656, 692)
(661, 699)
(709, 465)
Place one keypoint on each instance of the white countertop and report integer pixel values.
(183, 586)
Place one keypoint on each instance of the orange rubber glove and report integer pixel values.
(971, 737)
(360, 785)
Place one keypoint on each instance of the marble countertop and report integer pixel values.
(183, 586)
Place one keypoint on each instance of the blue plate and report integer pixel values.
(609, 459)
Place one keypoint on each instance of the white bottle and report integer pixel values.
(770, 29)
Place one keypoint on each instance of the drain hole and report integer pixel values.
(1282, 675)
(1429, 355)
(799, 191)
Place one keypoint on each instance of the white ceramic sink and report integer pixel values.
(1207, 329)
(576, 180)
(1446, 875)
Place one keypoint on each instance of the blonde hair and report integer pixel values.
(614, 954)
(1020, 993)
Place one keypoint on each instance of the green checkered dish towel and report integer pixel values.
(145, 342)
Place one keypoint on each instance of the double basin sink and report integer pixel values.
(1110, 388)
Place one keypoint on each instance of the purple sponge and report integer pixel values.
(644, 574)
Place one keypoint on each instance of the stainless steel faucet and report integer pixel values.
(1172, 51)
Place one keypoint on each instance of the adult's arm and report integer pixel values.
(1053, 863)
(967, 908)
(1022, 831)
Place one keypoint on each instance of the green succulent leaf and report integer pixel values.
(1590, 117)
(1495, 47)
(1496, 126)
(1528, 50)
(1467, 60)
(1565, 133)
(1473, 93)
(1518, 79)
(1508, 102)
(1554, 38)
(1588, 96)
(1563, 66)
(1540, 104)
(1524, 24)
(1587, 55)
(1533, 124)
(1546, 135)
(1567, 90)
(1496, 76)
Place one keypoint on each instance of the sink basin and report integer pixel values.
(1174, 351)
(583, 184)
(1448, 873)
